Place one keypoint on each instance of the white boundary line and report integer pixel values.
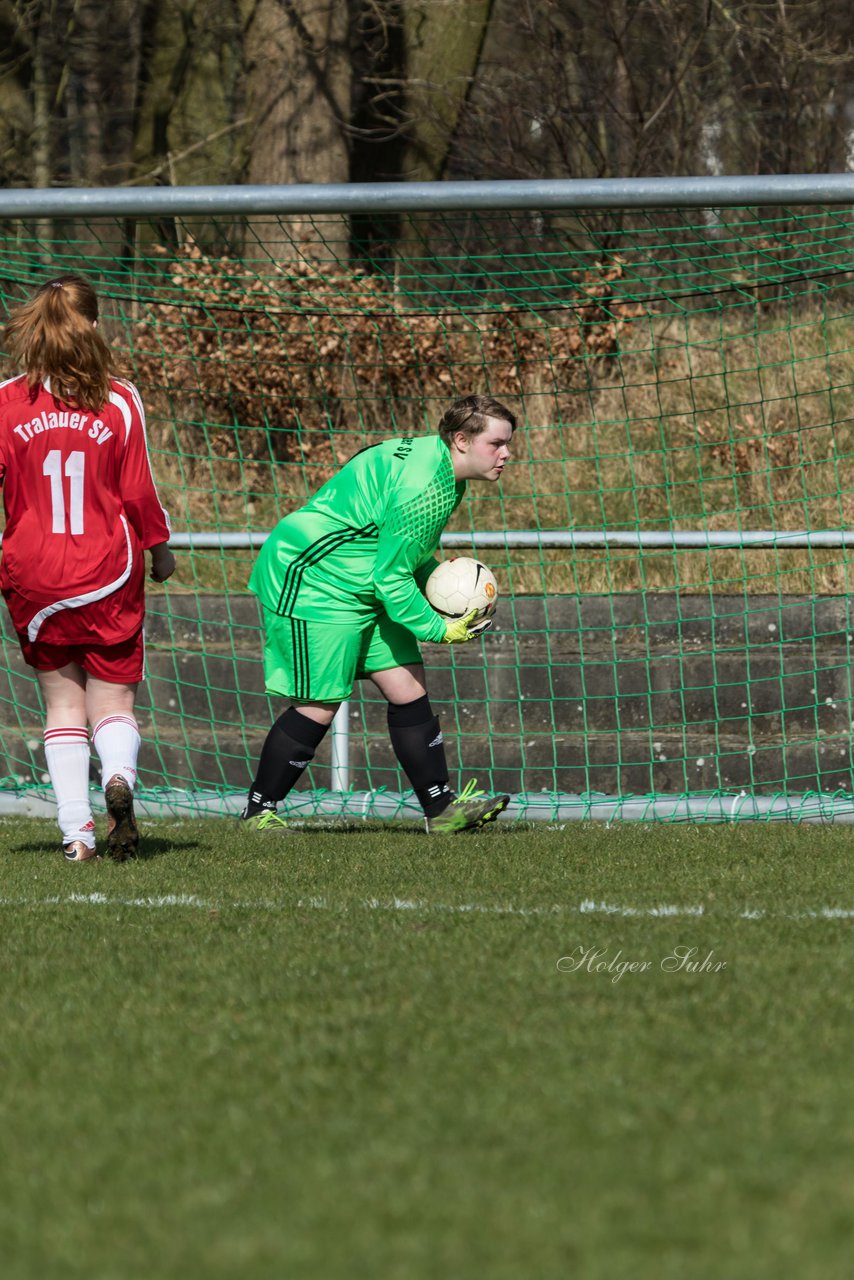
(587, 907)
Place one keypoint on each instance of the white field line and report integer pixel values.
(587, 907)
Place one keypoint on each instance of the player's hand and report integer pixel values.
(459, 630)
(162, 563)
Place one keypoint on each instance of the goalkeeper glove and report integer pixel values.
(459, 630)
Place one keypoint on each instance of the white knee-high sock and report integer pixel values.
(67, 754)
(116, 739)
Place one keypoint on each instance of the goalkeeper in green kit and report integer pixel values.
(340, 581)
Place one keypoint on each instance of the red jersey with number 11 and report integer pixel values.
(81, 506)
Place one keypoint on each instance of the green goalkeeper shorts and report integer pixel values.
(313, 661)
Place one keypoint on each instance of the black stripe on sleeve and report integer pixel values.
(312, 555)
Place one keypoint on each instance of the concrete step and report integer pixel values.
(626, 693)
(784, 689)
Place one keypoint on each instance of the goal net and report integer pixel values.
(675, 629)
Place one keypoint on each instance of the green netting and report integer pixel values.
(676, 372)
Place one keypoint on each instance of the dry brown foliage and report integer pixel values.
(261, 368)
(633, 419)
(777, 448)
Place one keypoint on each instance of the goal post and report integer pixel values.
(674, 636)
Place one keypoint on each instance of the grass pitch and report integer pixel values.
(538, 1053)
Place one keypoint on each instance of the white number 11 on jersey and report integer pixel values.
(74, 466)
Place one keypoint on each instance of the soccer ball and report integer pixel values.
(457, 586)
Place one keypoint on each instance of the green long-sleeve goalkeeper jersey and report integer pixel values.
(365, 542)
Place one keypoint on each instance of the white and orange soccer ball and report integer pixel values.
(461, 584)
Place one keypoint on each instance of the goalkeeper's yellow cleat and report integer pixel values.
(467, 811)
(268, 821)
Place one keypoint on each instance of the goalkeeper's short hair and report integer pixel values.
(470, 414)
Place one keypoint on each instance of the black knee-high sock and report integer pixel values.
(288, 749)
(419, 746)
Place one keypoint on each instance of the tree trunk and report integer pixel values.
(444, 43)
(443, 47)
(101, 74)
(298, 100)
(103, 65)
(41, 120)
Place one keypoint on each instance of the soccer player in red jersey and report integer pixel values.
(81, 507)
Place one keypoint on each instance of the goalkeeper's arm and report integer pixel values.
(398, 566)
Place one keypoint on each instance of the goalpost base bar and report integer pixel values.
(808, 806)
